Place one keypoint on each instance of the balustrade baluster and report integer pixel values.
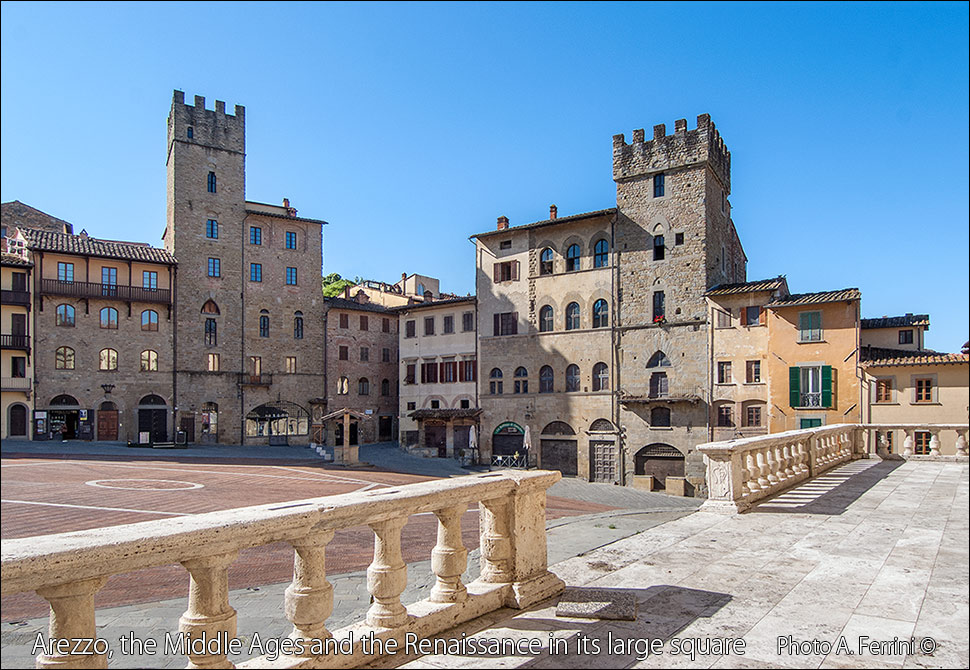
(909, 442)
(961, 442)
(449, 558)
(308, 600)
(209, 614)
(72, 618)
(752, 474)
(387, 575)
(763, 481)
(495, 542)
(772, 466)
(934, 442)
(789, 460)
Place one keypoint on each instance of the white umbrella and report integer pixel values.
(472, 440)
(527, 439)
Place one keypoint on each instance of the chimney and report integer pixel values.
(553, 211)
(503, 223)
(286, 202)
(347, 292)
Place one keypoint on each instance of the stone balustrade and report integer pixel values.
(743, 471)
(67, 569)
(909, 442)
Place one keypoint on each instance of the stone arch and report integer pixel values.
(558, 428)
(659, 360)
(210, 307)
(659, 461)
(602, 426)
(152, 400)
(64, 400)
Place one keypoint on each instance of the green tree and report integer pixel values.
(334, 284)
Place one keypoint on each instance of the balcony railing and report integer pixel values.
(15, 342)
(811, 400)
(14, 384)
(246, 379)
(68, 569)
(742, 472)
(11, 297)
(80, 289)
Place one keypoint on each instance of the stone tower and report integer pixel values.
(674, 239)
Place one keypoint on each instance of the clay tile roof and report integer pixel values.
(13, 260)
(343, 303)
(817, 298)
(748, 286)
(897, 321)
(470, 413)
(45, 240)
(879, 357)
(548, 222)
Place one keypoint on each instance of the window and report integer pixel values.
(18, 367)
(572, 258)
(343, 353)
(521, 382)
(464, 403)
(420, 289)
(189, 132)
(109, 281)
(291, 276)
(545, 262)
(601, 314)
(810, 386)
(752, 316)
(290, 240)
(724, 372)
(149, 280)
(658, 385)
(256, 272)
(298, 326)
(363, 322)
(255, 235)
(468, 370)
(921, 442)
(546, 379)
(660, 417)
(678, 239)
(658, 306)
(409, 374)
(149, 361)
(409, 328)
(363, 386)
(495, 382)
(64, 316)
(108, 359)
(214, 269)
(658, 185)
(723, 318)
(385, 387)
(364, 354)
(505, 244)
(385, 355)
(210, 333)
(435, 404)
(507, 271)
(263, 323)
(448, 325)
(210, 307)
(449, 372)
(658, 247)
(149, 320)
(506, 323)
(468, 322)
(810, 327)
(906, 337)
(545, 319)
(212, 364)
(752, 372)
(64, 358)
(385, 325)
(658, 360)
(725, 416)
(65, 272)
(343, 386)
(809, 423)
(924, 389)
(212, 229)
(413, 406)
(884, 390)
(290, 363)
(752, 416)
(429, 373)
(429, 325)
(211, 182)
(572, 378)
(601, 377)
(601, 254)
(255, 367)
(572, 316)
(345, 321)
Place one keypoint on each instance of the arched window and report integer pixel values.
(65, 316)
(660, 417)
(521, 380)
(495, 382)
(211, 338)
(572, 316)
(601, 314)
(211, 182)
(108, 359)
(572, 258)
(545, 262)
(343, 386)
(263, 323)
(558, 428)
(149, 320)
(298, 326)
(572, 377)
(601, 254)
(363, 386)
(210, 307)
(545, 319)
(601, 377)
(109, 318)
(64, 358)
(149, 361)
(546, 378)
(658, 385)
(658, 360)
(601, 426)
(385, 387)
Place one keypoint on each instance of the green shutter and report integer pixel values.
(794, 386)
(826, 386)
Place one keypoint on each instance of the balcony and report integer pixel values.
(21, 342)
(11, 297)
(811, 400)
(80, 289)
(15, 384)
(246, 379)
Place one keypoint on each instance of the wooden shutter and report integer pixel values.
(441, 371)
(762, 316)
(496, 272)
(515, 324)
(497, 324)
(794, 387)
(474, 367)
(826, 386)
(424, 375)
(515, 270)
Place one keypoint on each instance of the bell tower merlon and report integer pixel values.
(211, 128)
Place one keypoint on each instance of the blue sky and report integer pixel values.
(410, 127)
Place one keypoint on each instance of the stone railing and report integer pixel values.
(69, 568)
(909, 442)
(744, 471)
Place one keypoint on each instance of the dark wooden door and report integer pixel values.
(187, 425)
(559, 455)
(602, 456)
(18, 420)
(384, 428)
(107, 424)
(154, 421)
(435, 437)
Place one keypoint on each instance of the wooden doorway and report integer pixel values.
(108, 421)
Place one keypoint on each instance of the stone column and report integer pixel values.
(387, 575)
(72, 618)
(309, 598)
(496, 545)
(961, 442)
(209, 613)
(449, 558)
(908, 442)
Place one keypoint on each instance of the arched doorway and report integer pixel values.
(108, 421)
(210, 422)
(602, 451)
(152, 419)
(659, 461)
(65, 417)
(557, 449)
(17, 421)
(507, 439)
(278, 421)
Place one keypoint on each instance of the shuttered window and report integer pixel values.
(810, 386)
(507, 271)
(505, 323)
